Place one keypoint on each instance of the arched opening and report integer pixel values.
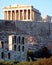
(2, 55)
(22, 40)
(14, 47)
(18, 48)
(19, 39)
(8, 55)
(14, 39)
(22, 48)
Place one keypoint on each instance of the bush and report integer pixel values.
(42, 61)
(31, 55)
(42, 52)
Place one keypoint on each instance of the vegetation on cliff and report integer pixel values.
(44, 61)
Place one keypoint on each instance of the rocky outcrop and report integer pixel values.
(41, 31)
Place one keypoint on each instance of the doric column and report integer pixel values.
(7, 15)
(15, 14)
(27, 14)
(4, 16)
(23, 14)
(33, 16)
(11, 15)
(19, 14)
(30, 15)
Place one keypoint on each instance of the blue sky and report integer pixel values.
(44, 6)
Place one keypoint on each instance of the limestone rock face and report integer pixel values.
(36, 33)
(33, 28)
(42, 29)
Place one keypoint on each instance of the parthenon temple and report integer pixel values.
(21, 12)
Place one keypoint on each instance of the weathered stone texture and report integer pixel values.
(36, 32)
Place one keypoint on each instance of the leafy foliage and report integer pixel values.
(41, 53)
(44, 61)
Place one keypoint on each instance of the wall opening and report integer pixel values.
(8, 55)
(22, 40)
(22, 48)
(2, 55)
(18, 48)
(19, 39)
(14, 47)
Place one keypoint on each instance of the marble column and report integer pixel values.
(7, 15)
(30, 15)
(23, 14)
(11, 15)
(15, 14)
(19, 14)
(27, 15)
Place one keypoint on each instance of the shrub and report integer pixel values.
(42, 61)
(42, 52)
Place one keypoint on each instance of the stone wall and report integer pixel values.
(33, 28)
(41, 31)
